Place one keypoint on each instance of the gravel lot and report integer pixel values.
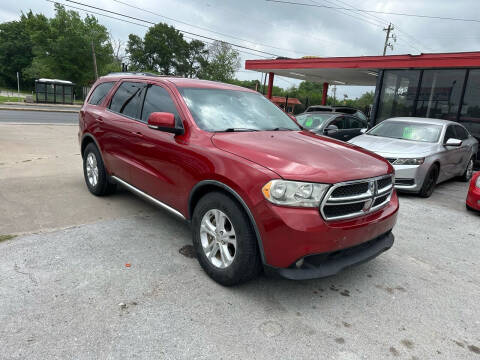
(67, 292)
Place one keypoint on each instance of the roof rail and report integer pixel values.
(133, 73)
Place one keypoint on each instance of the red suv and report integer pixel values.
(259, 192)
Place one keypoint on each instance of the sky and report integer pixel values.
(291, 30)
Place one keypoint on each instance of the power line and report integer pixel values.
(204, 28)
(183, 31)
(382, 22)
(142, 25)
(377, 12)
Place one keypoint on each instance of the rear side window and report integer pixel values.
(100, 92)
(127, 99)
(158, 100)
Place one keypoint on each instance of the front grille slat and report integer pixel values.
(357, 198)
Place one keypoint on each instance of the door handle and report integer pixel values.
(100, 119)
(138, 133)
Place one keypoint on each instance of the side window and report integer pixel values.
(158, 100)
(339, 122)
(127, 99)
(356, 123)
(462, 134)
(450, 133)
(100, 92)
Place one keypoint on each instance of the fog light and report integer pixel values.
(299, 263)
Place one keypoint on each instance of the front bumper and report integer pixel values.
(409, 178)
(323, 265)
(473, 198)
(290, 234)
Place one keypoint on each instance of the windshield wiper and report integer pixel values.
(280, 129)
(237, 130)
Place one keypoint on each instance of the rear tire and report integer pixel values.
(224, 240)
(467, 175)
(94, 172)
(429, 182)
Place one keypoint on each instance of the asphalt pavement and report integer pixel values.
(107, 278)
(37, 117)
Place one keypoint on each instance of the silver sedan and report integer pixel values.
(424, 152)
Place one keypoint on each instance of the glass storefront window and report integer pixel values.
(398, 93)
(470, 113)
(440, 94)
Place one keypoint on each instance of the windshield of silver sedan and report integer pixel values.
(220, 110)
(413, 131)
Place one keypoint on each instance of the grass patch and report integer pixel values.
(4, 99)
(6, 237)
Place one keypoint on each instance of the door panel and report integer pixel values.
(452, 156)
(157, 169)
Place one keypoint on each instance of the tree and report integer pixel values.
(63, 47)
(15, 50)
(222, 63)
(162, 50)
(196, 59)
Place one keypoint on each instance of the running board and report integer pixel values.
(148, 197)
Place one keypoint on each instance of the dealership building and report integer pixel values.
(443, 86)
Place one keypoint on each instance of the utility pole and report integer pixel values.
(94, 62)
(389, 29)
(18, 86)
(334, 94)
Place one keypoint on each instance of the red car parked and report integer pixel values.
(473, 197)
(258, 191)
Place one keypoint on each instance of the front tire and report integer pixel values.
(467, 175)
(224, 240)
(94, 172)
(430, 182)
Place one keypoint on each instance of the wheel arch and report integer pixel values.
(87, 139)
(204, 187)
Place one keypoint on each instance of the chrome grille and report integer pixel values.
(356, 198)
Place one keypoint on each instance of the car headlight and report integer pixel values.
(477, 183)
(409, 161)
(294, 193)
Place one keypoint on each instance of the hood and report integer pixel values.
(393, 147)
(303, 156)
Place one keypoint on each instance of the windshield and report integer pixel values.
(407, 131)
(313, 121)
(232, 110)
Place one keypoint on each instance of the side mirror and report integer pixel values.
(363, 131)
(164, 122)
(453, 142)
(330, 129)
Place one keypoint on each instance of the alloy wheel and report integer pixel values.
(469, 172)
(218, 238)
(92, 169)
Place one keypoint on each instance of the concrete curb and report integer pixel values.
(39, 109)
(43, 105)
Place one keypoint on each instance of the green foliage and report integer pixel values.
(15, 51)
(222, 63)
(59, 47)
(163, 50)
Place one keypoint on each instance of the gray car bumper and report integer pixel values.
(410, 178)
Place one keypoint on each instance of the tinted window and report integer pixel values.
(461, 132)
(127, 99)
(340, 122)
(397, 95)
(470, 113)
(408, 131)
(100, 92)
(440, 94)
(158, 100)
(450, 133)
(355, 123)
